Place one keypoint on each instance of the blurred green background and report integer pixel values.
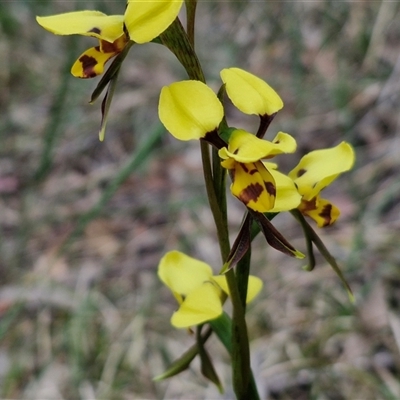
(83, 224)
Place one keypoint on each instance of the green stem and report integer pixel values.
(240, 341)
(218, 214)
(242, 276)
(190, 18)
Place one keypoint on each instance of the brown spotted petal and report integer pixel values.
(322, 211)
(252, 184)
(91, 63)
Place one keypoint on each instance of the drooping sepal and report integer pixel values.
(274, 238)
(311, 237)
(207, 367)
(240, 246)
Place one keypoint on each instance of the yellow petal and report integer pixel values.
(287, 195)
(319, 168)
(90, 63)
(201, 305)
(181, 273)
(322, 211)
(245, 147)
(87, 23)
(145, 20)
(189, 109)
(253, 288)
(254, 186)
(249, 93)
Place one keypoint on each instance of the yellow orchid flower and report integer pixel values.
(250, 94)
(252, 182)
(315, 171)
(107, 28)
(144, 20)
(190, 110)
(196, 289)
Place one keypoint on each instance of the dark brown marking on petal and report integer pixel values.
(251, 192)
(308, 205)
(301, 172)
(271, 189)
(236, 151)
(277, 141)
(107, 47)
(88, 64)
(95, 30)
(326, 214)
(244, 167)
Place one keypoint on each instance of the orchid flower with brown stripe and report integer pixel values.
(142, 22)
(190, 110)
(315, 171)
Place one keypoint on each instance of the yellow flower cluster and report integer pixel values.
(191, 110)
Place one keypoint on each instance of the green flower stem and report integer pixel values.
(190, 18)
(183, 362)
(242, 276)
(176, 39)
(312, 237)
(218, 214)
(240, 341)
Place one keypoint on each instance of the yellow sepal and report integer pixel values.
(201, 305)
(189, 109)
(254, 286)
(145, 20)
(245, 147)
(87, 23)
(181, 273)
(319, 168)
(287, 195)
(249, 93)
